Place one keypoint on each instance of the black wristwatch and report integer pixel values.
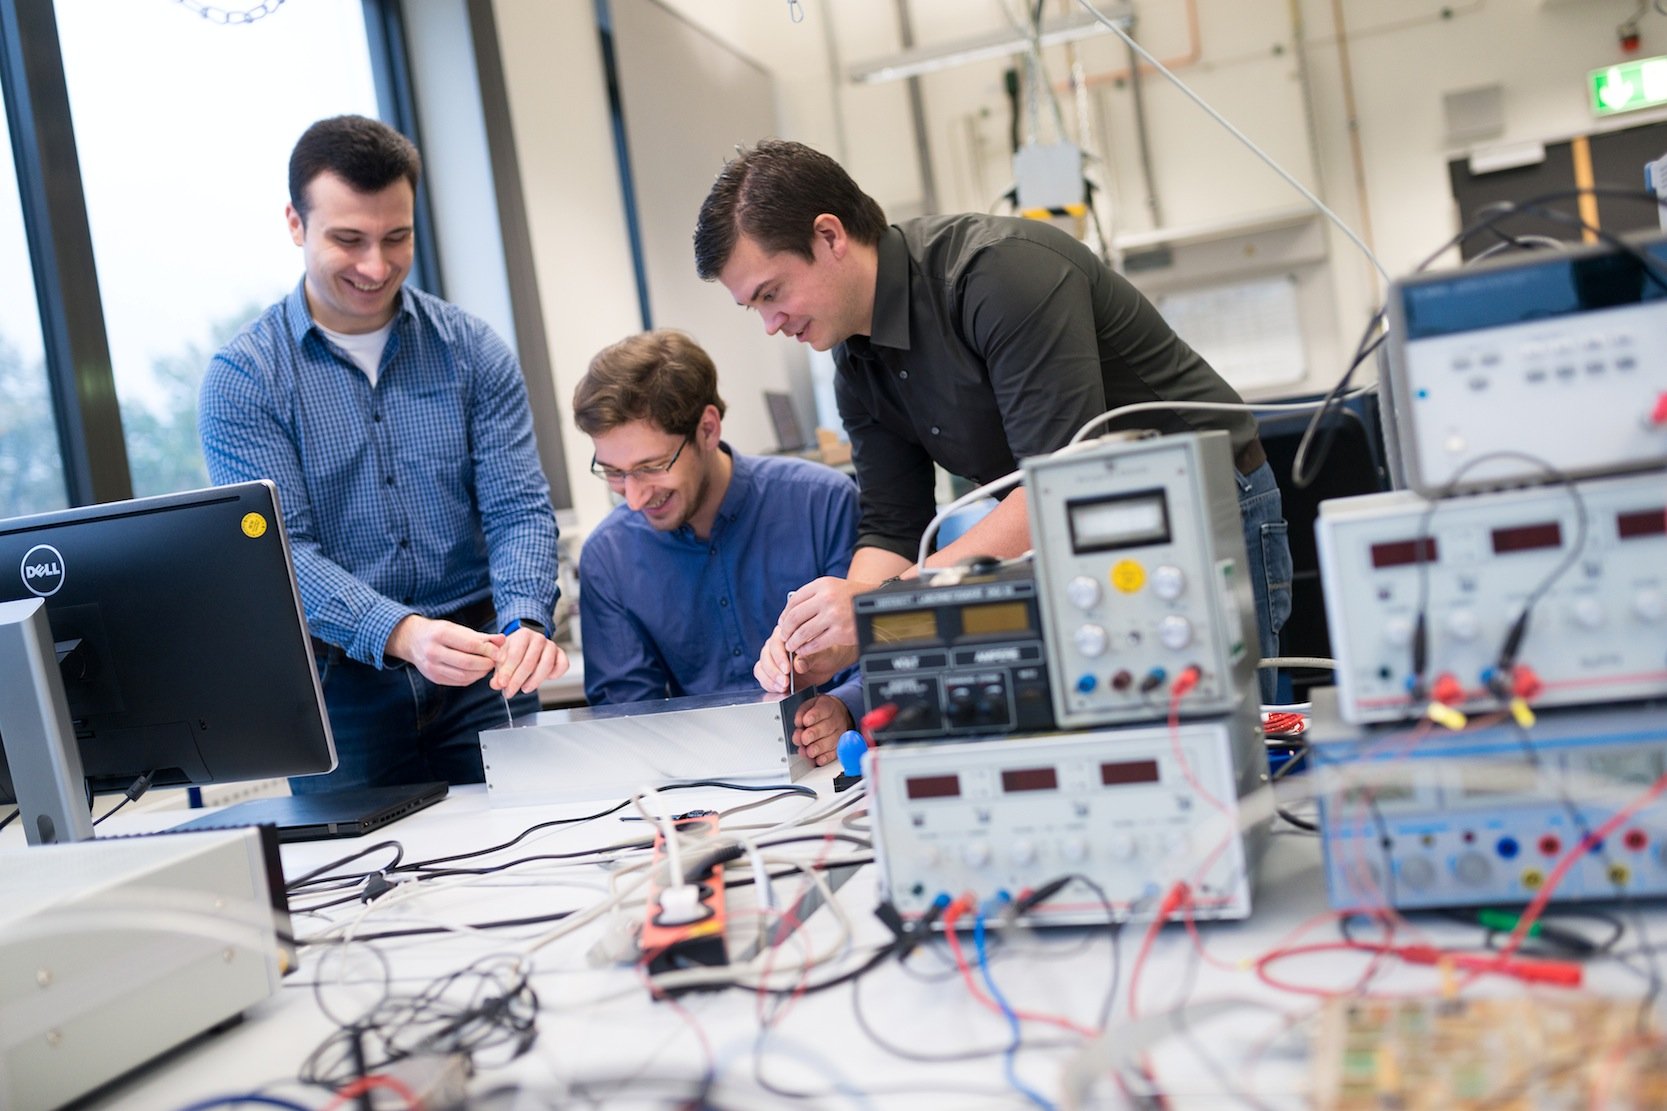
(525, 623)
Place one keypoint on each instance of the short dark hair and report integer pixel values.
(367, 154)
(773, 194)
(661, 376)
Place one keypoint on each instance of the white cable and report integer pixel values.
(850, 798)
(1266, 158)
(1015, 477)
(390, 913)
(1299, 661)
(960, 503)
(668, 834)
(1211, 406)
(760, 876)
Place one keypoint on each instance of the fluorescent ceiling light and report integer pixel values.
(995, 44)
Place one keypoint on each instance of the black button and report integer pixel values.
(713, 550)
(377, 417)
(405, 541)
(723, 601)
(407, 601)
(736, 652)
(390, 480)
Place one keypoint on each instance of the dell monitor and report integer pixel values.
(179, 636)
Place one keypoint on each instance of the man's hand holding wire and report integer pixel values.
(815, 635)
(525, 659)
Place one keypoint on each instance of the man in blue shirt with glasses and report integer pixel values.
(679, 586)
(397, 431)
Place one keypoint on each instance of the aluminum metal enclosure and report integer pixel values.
(609, 752)
(1141, 571)
(114, 951)
(1416, 819)
(1562, 350)
(1135, 809)
(1591, 559)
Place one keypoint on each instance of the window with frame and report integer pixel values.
(183, 128)
(31, 465)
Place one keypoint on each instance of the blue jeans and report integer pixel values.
(394, 726)
(1269, 550)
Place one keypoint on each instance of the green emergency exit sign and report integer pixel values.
(1628, 86)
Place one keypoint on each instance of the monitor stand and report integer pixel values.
(35, 729)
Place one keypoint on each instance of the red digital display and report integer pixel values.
(1527, 538)
(1132, 771)
(1030, 779)
(933, 787)
(1648, 522)
(1397, 553)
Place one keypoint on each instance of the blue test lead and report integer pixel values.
(849, 750)
(851, 747)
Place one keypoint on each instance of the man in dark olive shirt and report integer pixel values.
(973, 341)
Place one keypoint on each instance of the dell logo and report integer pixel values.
(43, 570)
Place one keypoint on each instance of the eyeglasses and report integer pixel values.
(613, 476)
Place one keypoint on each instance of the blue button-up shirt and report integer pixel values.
(667, 614)
(420, 495)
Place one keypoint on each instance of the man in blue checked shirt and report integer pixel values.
(397, 430)
(679, 586)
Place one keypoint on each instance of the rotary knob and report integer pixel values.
(1398, 631)
(1417, 873)
(976, 853)
(1091, 640)
(1649, 605)
(1168, 582)
(1473, 868)
(1588, 613)
(1083, 592)
(1463, 624)
(1175, 632)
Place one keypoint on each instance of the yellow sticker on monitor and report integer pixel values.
(1128, 575)
(254, 525)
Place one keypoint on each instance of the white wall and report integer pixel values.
(688, 101)
(575, 213)
(1273, 67)
(470, 240)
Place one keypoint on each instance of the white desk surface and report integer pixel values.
(602, 1041)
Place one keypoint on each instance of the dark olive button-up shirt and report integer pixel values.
(995, 338)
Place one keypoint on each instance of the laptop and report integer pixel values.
(332, 814)
(790, 435)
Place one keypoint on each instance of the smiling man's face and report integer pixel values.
(357, 248)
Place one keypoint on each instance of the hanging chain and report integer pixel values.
(226, 17)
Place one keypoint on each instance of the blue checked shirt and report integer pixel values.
(667, 614)
(422, 495)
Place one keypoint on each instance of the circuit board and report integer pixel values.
(1533, 1053)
